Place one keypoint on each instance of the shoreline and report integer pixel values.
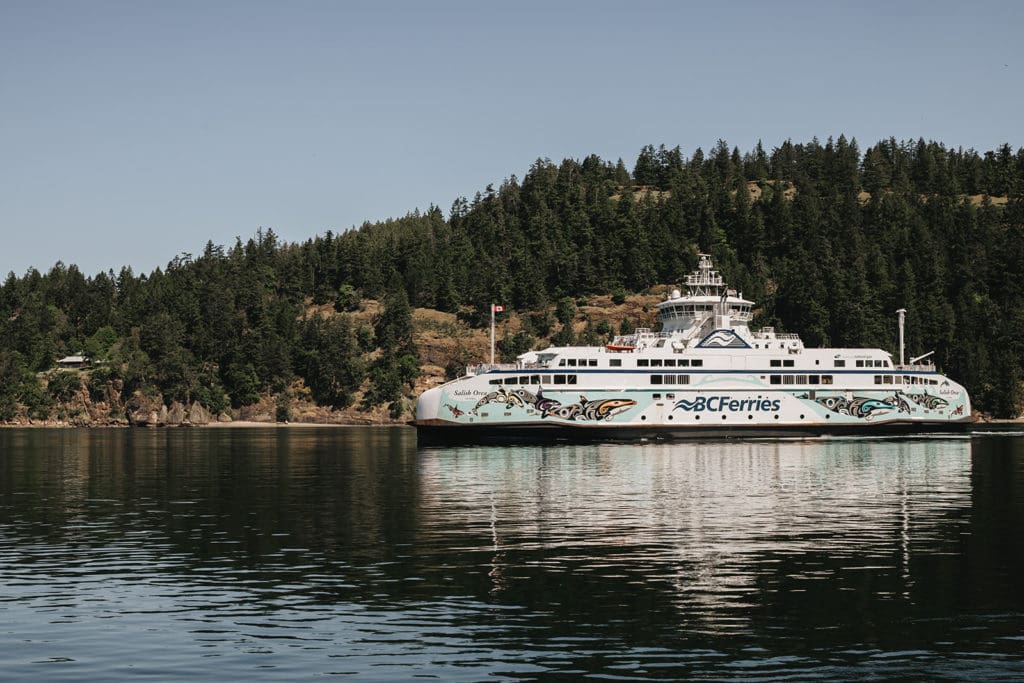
(237, 424)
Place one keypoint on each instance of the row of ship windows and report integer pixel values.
(537, 379)
(698, 363)
(685, 379)
(906, 379)
(800, 379)
(865, 363)
(640, 362)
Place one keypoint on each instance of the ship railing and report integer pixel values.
(484, 368)
(916, 367)
(770, 333)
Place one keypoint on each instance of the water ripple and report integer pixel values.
(279, 554)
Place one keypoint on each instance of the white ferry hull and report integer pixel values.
(467, 410)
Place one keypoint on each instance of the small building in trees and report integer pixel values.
(75, 362)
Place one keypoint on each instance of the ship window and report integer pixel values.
(860, 364)
(814, 379)
(878, 379)
(655, 362)
(801, 379)
(887, 379)
(495, 381)
(776, 363)
(655, 379)
(826, 379)
(885, 364)
(572, 379)
(682, 379)
(670, 396)
(776, 379)
(683, 363)
(511, 380)
(592, 362)
(787, 379)
(642, 363)
(615, 362)
(840, 363)
(559, 379)
(880, 364)
(787, 363)
(534, 379)
(546, 379)
(561, 363)
(670, 362)
(697, 363)
(572, 362)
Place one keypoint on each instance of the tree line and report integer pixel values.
(830, 240)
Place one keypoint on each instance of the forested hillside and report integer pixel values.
(829, 239)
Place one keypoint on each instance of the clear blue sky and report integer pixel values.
(134, 131)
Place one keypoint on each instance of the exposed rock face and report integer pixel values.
(175, 414)
(198, 415)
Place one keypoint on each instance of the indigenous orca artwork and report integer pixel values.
(548, 407)
(704, 373)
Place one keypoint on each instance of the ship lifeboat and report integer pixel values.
(619, 347)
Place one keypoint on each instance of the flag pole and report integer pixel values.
(492, 334)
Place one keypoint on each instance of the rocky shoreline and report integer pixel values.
(80, 410)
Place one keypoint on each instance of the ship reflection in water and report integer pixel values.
(729, 535)
(269, 554)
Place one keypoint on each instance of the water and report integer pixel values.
(285, 553)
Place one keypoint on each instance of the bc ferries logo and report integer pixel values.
(727, 404)
(723, 339)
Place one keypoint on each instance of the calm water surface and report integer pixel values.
(288, 553)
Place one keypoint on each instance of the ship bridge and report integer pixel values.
(708, 305)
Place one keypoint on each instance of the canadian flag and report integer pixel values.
(498, 308)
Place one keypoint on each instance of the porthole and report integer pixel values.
(723, 417)
(670, 417)
(750, 417)
(801, 417)
(643, 417)
(776, 416)
(696, 417)
(828, 417)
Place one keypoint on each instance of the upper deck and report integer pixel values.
(708, 328)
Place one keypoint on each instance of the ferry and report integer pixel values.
(705, 374)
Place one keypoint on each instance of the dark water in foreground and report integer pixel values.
(285, 553)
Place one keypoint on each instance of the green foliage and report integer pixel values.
(11, 373)
(511, 346)
(565, 311)
(819, 256)
(348, 299)
(283, 407)
(330, 360)
(98, 347)
(393, 327)
(99, 379)
(242, 384)
(63, 385)
(542, 322)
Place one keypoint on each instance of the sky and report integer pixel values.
(135, 131)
